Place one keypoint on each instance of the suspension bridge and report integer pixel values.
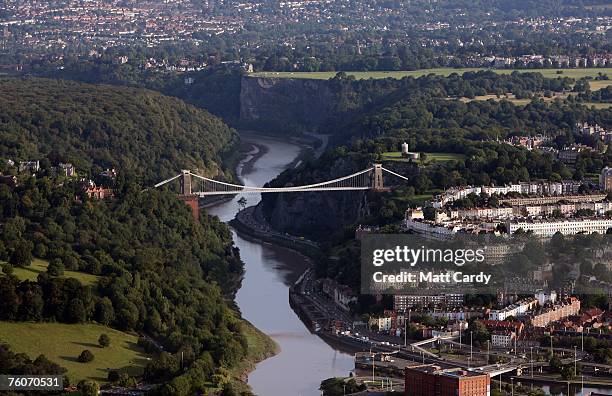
(195, 185)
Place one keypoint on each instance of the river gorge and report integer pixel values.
(304, 359)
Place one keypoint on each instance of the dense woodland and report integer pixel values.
(160, 272)
(96, 127)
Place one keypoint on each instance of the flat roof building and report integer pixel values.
(429, 379)
(548, 228)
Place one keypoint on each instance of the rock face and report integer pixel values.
(285, 101)
(317, 214)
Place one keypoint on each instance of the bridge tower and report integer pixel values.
(185, 182)
(186, 195)
(377, 178)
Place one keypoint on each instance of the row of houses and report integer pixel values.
(549, 227)
(519, 211)
(527, 142)
(343, 296)
(513, 310)
(561, 61)
(65, 169)
(506, 334)
(550, 313)
(542, 227)
(586, 129)
(540, 187)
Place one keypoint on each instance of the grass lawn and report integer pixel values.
(414, 199)
(599, 84)
(364, 75)
(522, 102)
(548, 73)
(512, 99)
(599, 105)
(443, 157)
(260, 347)
(38, 266)
(62, 344)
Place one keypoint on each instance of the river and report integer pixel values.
(304, 359)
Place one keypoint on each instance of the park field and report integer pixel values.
(548, 73)
(437, 157)
(38, 266)
(522, 102)
(599, 105)
(62, 344)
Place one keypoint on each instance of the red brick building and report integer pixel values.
(94, 192)
(503, 325)
(429, 379)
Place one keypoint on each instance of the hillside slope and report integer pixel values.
(101, 126)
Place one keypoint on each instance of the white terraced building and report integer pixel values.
(548, 228)
(564, 187)
(514, 310)
(502, 339)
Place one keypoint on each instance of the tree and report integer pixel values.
(340, 386)
(179, 386)
(7, 269)
(86, 356)
(242, 202)
(126, 381)
(22, 255)
(162, 368)
(105, 313)
(429, 213)
(56, 268)
(88, 388)
(555, 364)
(75, 312)
(479, 332)
(9, 299)
(228, 390)
(104, 340)
(32, 302)
(221, 377)
(113, 376)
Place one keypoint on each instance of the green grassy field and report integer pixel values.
(397, 156)
(260, 347)
(38, 266)
(522, 102)
(599, 105)
(415, 198)
(549, 73)
(62, 343)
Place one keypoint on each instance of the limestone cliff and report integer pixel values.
(315, 215)
(284, 102)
